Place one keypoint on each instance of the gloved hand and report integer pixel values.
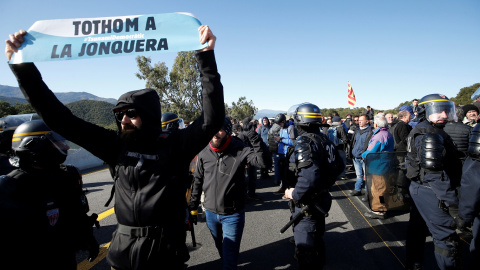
(93, 218)
(193, 216)
(93, 249)
(453, 211)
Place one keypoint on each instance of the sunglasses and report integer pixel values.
(130, 113)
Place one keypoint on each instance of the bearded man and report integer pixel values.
(220, 174)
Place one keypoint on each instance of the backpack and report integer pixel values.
(332, 136)
(272, 144)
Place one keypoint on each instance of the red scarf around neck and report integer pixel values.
(225, 145)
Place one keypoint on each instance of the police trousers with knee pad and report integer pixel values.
(440, 224)
(308, 234)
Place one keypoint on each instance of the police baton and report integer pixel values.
(296, 218)
(192, 233)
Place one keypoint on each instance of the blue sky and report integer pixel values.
(280, 53)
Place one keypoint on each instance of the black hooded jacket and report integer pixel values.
(147, 192)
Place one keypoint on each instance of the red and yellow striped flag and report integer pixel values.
(351, 96)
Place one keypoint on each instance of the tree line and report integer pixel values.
(180, 92)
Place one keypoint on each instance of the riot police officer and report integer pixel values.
(317, 165)
(44, 209)
(171, 122)
(469, 206)
(433, 168)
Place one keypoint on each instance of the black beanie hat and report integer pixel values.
(227, 125)
(469, 107)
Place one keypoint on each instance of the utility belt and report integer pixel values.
(137, 232)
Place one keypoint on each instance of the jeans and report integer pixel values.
(278, 174)
(251, 176)
(227, 231)
(344, 158)
(359, 169)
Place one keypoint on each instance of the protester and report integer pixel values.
(381, 141)
(415, 107)
(336, 133)
(251, 171)
(144, 163)
(471, 115)
(359, 145)
(220, 174)
(263, 132)
(369, 112)
(459, 132)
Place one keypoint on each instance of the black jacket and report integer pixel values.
(42, 210)
(147, 193)
(221, 175)
(400, 134)
(460, 134)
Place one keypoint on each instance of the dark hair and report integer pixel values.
(460, 113)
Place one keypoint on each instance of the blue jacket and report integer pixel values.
(263, 132)
(360, 141)
(284, 142)
(381, 141)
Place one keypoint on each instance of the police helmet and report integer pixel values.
(170, 121)
(35, 143)
(436, 107)
(474, 143)
(280, 118)
(306, 114)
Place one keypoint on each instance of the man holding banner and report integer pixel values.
(149, 202)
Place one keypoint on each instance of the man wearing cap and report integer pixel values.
(220, 174)
(471, 115)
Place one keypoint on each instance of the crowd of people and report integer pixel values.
(150, 154)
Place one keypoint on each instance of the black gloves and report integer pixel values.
(89, 242)
(93, 249)
(459, 222)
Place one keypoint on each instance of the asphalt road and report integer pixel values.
(352, 241)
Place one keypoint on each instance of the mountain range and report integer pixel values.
(267, 113)
(13, 95)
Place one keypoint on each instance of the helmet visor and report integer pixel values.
(293, 110)
(440, 111)
(58, 141)
(181, 123)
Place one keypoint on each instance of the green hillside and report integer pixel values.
(98, 112)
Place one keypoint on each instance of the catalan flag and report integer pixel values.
(351, 96)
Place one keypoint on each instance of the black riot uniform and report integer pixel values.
(149, 203)
(469, 206)
(43, 208)
(316, 164)
(434, 169)
(171, 124)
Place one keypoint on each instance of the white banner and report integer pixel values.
(67, 39)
